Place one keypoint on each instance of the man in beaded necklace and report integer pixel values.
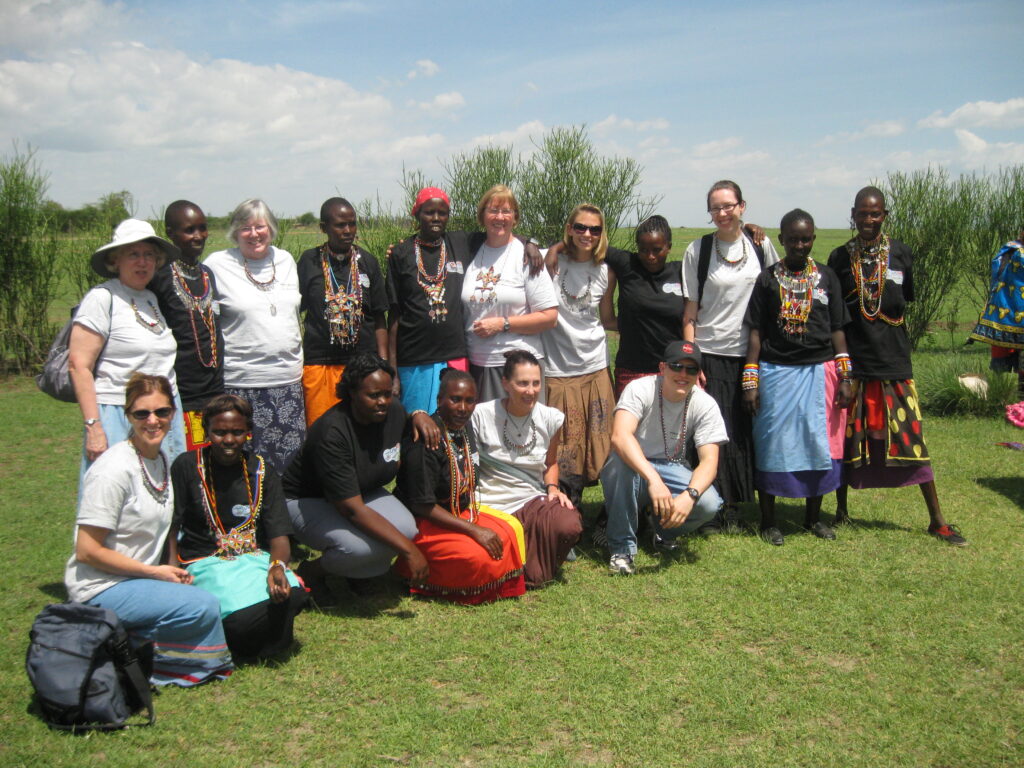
(656, 420)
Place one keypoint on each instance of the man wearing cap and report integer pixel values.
(656, 419)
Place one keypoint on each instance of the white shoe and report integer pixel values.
(622, 564)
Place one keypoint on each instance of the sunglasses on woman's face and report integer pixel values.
(579, 229)
(692, 370)
(161, 413)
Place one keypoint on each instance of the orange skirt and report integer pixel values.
(319, 384)
(461, 570)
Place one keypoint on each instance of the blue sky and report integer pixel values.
(800, 103)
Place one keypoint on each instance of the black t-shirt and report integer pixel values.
(425, 476)
(317, 348)
(422, 341)
(228, 485)
(650, 310)
(197, 382)
(341, 459)
(828, 314)
(878, 349)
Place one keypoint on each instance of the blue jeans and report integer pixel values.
(625, 492)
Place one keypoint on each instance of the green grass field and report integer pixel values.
(883, 648)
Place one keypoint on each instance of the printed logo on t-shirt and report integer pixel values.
(215, 305)
(364, 280)
(820, 295)
(241, 511)
(896, 275)
(475, 458)
(456, 267)
(392, 454)
(675, 288)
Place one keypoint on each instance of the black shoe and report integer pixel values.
(730, 518)
(821, 530)
(313, 577)
(599, 536)
(773, 536)
(662, 544)
(842, 518)
(711, 528)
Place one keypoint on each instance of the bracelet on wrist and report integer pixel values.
(275, 563)
(556, 486)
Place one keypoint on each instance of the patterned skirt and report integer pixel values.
(586, 437)
(279, 422)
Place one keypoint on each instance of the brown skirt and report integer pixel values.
(551, 531)
(586, 437)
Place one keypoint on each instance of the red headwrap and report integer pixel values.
(429, 193)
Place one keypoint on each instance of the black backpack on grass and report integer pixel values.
(84, 671)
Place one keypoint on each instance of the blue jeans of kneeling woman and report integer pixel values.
(625, 492)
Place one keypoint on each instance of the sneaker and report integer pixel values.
(662, 544)
(773, 536)
(821, 530)
(622, 564)
(599, 536)
(949, 534)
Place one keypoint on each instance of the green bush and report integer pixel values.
(943, 394)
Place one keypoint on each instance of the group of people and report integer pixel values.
(234, 405)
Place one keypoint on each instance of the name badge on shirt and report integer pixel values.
(674, 288)
(896, 275)
(475, 458)
(820, 295)
(393, 453)
(215, 306)
(456, 267)
(364, 280)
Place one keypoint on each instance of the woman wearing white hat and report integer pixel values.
(119, 330)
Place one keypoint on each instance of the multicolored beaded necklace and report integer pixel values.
(158, 492)
(201, 306)
(871, 283)
(796, 291)
(432, 285)
(156, 326)
(514, 448)
(242, 538)
(264, 286)
(343, 307)
(721, 256)
(678, 454)
(463, 477)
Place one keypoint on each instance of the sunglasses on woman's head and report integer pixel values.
(579, 229)
(161, 413)
(693, 370)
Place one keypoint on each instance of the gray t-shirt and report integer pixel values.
(703, 418)
(114, 497)
(577, 345)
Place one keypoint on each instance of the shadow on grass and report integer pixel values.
(1010, 487)
(54, 589)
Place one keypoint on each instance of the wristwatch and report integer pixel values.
(694, 493)
(507, 327)
(90, 422)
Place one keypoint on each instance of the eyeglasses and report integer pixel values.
(161, 413)
(256, 229)
(579, 229)
(692, 370)
(722, 209)
(500, 212)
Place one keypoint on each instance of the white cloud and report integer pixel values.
(39, 27)
(978, 153)
(424, 68)
(530, 86)
(880, 130)
(979, 114)
(442, 104)
(615, 123)
(717, 148)
(519, 137)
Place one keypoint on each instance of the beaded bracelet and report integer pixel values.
(751, 376)
(844, 367)
(274, 563)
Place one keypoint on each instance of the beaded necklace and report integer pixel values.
(156, 326)
(576, 303)
(871, 283)
(343, 307)
(463, 477)
(738, 263)
(514, 448)
(201, 305)
(158, 492)
(796, 291)
(242, 538)
(678, 455)
(433, 285)
(264, 286)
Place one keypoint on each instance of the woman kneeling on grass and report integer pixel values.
(229, 509)
(475, 553)
(123, 519)
(518, 441)
(796, 379)
(884, 447)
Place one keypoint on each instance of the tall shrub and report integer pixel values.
(27, 248)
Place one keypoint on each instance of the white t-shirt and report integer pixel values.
(704, 424)
(720, 329)
(130, 345)
(114, 497)
(577, 345)
(514, 293)
(262, 333)
(498, 487)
